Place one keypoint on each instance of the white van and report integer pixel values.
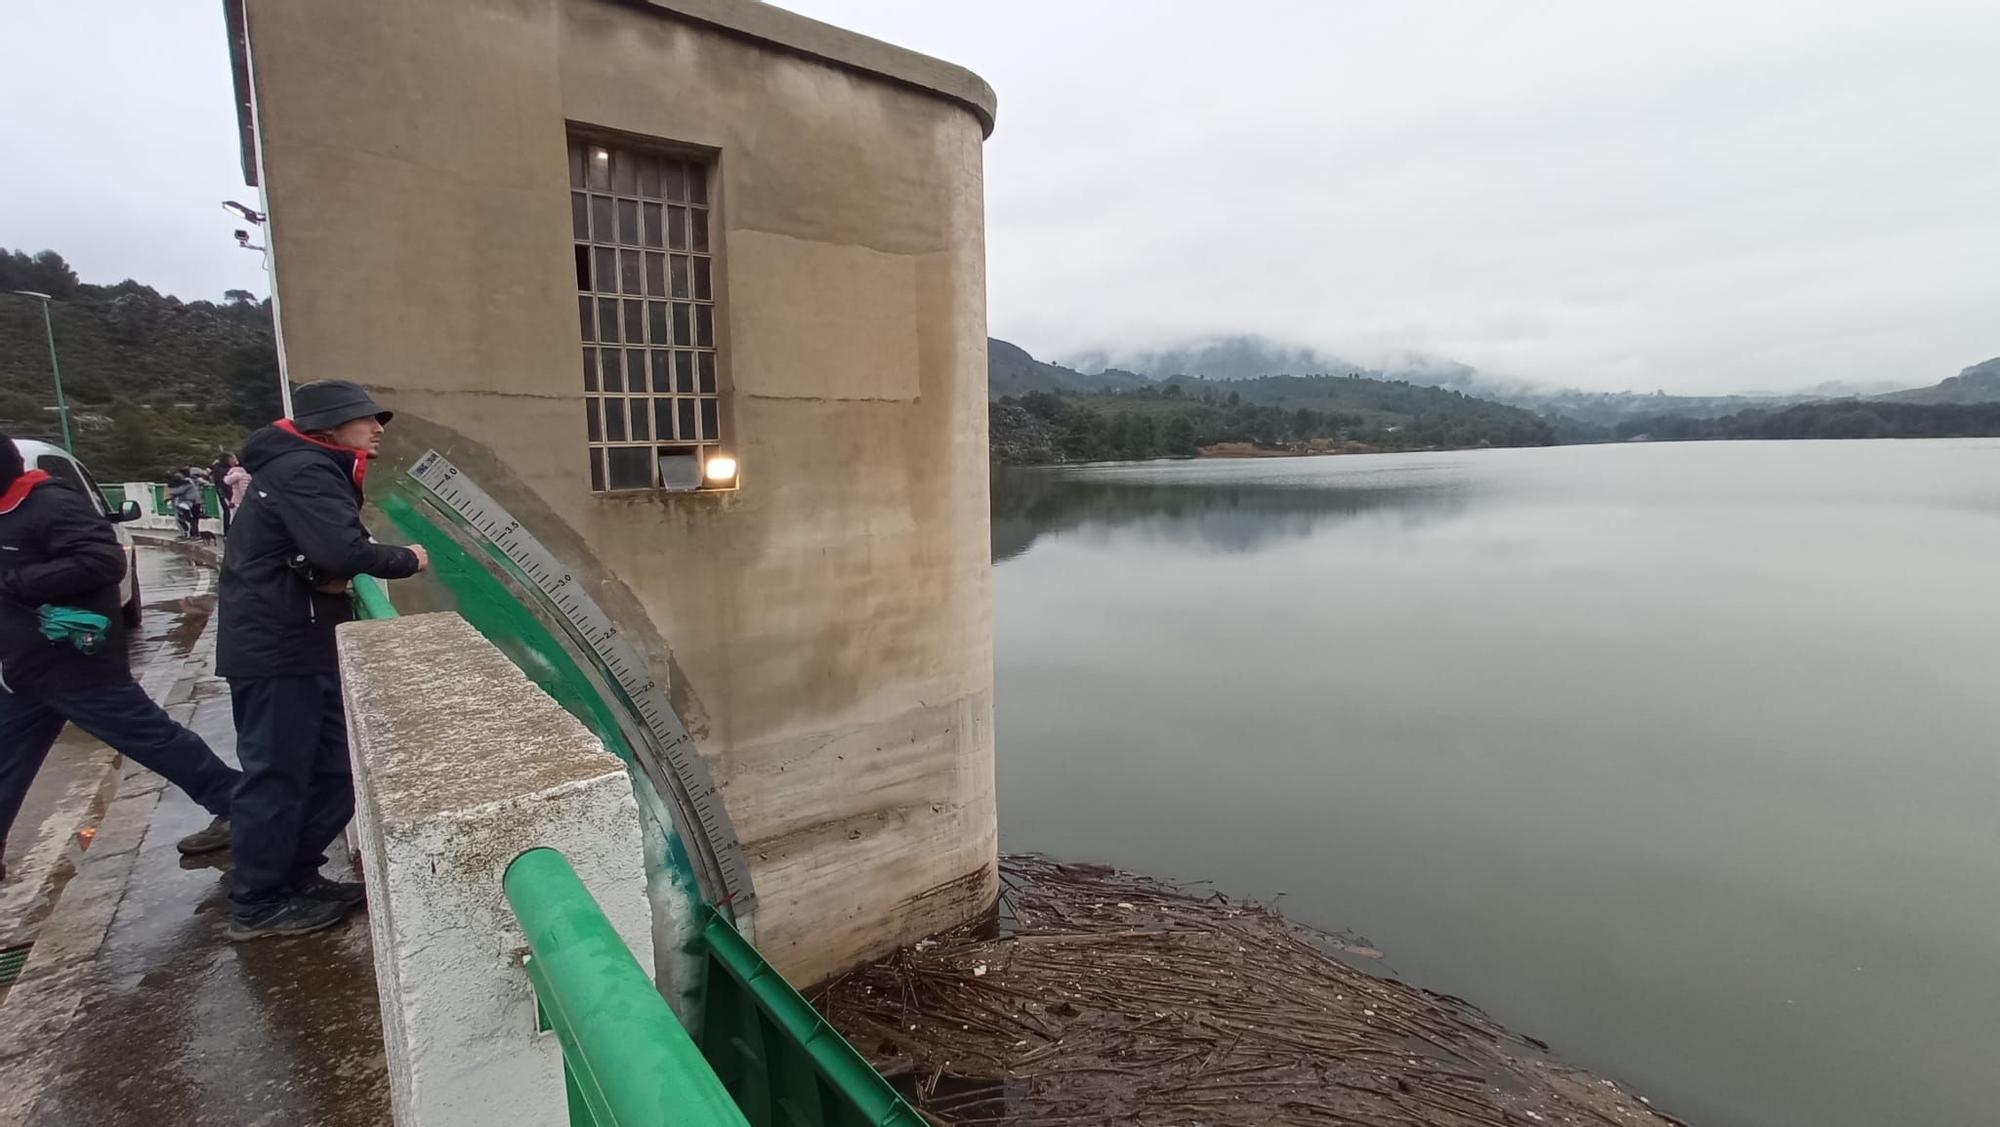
(58, 464)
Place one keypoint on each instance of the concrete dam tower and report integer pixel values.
(695, 290)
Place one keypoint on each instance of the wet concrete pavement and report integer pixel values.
(68, 796)
(153, 1016)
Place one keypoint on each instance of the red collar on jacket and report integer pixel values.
(360, 456)
(18, 491)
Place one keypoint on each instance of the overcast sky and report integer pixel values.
(1697, 197)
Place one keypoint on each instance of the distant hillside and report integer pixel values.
(1378, 402)
(1604, 410)
(1841, 418)
(1184, 415)
(1977, 384)
(1011, 371)
(1578, 416)
(152, 381)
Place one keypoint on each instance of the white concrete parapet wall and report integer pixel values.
(461, 764)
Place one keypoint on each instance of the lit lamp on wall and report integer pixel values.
(687, 469)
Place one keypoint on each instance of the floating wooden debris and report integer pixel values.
(1111, 997)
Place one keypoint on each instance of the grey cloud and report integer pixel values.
(1699, 197)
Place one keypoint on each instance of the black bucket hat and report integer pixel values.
(325, 404)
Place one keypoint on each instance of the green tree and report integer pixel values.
(133, 453)
(45, 272)
(1179, 437)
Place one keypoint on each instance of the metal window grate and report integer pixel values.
(11, 961)
(645, 307)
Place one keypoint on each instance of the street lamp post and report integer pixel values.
(257, 218)
(55, 367)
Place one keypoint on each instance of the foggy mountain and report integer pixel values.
(1580, 415)
(1011, 371)
(1977, 384)
(1247, 357)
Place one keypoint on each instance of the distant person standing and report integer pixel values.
(185, 493)
(218, 472)
(284, 587)
(62, 652)
(235, 482)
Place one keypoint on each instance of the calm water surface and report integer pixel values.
(1680, 757)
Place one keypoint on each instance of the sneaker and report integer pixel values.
(294, 915)
(346, 893)
(206, 840)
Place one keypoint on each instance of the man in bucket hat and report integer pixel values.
(291, 552)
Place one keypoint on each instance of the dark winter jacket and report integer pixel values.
(304, 501)
(55, 548)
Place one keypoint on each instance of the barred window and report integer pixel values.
(646, 307)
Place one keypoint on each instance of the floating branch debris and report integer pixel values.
(1111, 997)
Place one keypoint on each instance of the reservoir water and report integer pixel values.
(1680, 757)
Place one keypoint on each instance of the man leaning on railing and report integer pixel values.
(287, 563)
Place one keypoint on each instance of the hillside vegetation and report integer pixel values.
(153, 382)
(1577, 415)
(1011, 371)
(1977, 384)
(1846, 418)
(1183, 416)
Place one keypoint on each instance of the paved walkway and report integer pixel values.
(134, 1009)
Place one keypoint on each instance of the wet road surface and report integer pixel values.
(178, 1025)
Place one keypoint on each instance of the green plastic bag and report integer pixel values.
(80, 628)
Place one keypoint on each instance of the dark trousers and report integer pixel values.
(125, 718)
(297, 790)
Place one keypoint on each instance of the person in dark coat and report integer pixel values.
(286, 567)
(60, 563)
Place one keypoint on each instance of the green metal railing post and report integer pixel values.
(627, 1057)
(370, 600)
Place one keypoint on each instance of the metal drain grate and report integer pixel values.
(11, 961)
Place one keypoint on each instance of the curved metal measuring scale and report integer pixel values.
(663, 749)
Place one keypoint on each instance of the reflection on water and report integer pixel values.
(1680, 757)
(1223, 506)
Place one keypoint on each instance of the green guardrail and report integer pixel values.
(626, 1060)
(370, 600)
(211, 502)
(777, 1061)
(777, 1056)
